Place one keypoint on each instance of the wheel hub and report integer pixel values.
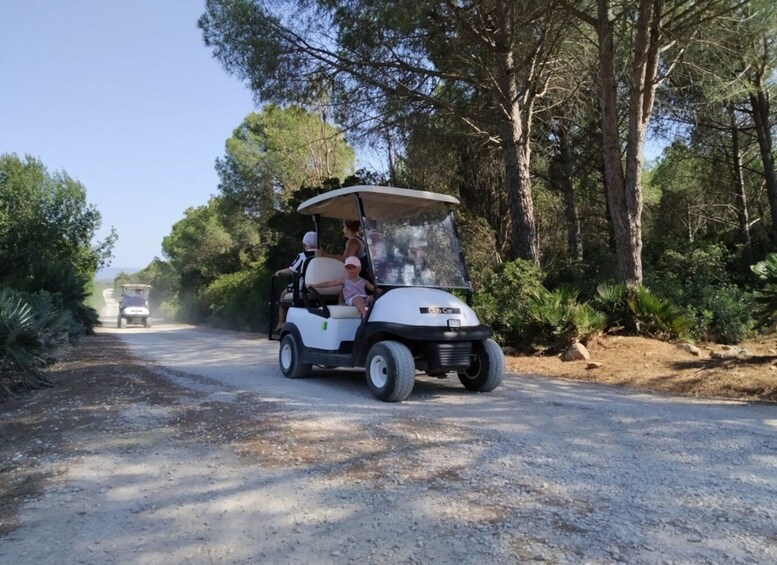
(378, 371)
(286, 356)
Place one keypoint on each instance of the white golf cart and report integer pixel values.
(415, 324)
(133, 306)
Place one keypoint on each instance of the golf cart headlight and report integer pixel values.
(454, 324)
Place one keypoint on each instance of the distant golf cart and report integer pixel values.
(415, 324)
(133, 307)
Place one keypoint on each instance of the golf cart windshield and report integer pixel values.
(410, 234)
(420, 250)
(134, 294)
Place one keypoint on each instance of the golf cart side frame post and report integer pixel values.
(462, 259)
(363, 223)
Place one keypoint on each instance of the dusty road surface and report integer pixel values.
(206, 454)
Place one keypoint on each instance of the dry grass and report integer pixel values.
(658, 366)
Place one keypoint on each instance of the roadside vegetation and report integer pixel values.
(47, 264)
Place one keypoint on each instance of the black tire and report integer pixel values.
(289, 359)
(146, 322)
(487, 369)
(390, 371)
(118, 322)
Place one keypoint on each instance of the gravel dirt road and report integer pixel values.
(188, 446)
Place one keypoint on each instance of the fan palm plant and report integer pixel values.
(766, 297)
(639, 312)
(21, 347)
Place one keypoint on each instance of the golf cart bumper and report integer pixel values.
(435, 349)
(135, 312)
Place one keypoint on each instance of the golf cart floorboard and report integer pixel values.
(327, 359)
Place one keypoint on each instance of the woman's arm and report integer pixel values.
(352, 247)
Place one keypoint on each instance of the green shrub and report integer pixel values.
(525, 315)
(502, 302)
(57, 327)
(636, 311)
(554, 320)
(68, 291)
(21, 347)
(722, 314)
(700, 283)
(766, 296)
(238, 300)
(24, 343)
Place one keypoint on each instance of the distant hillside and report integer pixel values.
(110, 273)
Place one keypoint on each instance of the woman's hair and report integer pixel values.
(353, 225)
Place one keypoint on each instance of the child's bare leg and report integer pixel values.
(359, 303)
(281, 311)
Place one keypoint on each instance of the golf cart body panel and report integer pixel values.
(414, 324)
(133, 307)
(422, 307)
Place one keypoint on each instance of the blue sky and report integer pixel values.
(125, 97)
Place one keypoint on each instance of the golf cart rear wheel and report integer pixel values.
(146, 322)
(118, 322)
(390, 371)
(289, 358)
(487, 368)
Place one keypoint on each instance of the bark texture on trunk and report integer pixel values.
(624, 187)
(628, 258)
(516, 146)
(563, 180)
(517, 158)
(739, 179)
(759, 103)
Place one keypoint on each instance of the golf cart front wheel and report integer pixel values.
(289, 358)
(390, 371)
(486, 369)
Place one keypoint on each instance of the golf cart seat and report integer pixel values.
(321, 269)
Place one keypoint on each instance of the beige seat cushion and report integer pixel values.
(344, 312)
(322, 269)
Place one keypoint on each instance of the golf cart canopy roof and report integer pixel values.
(134, 286)
(381, 203)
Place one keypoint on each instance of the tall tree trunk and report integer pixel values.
(624, 189)
(626, 226)
(759, 102)
(516, 147)
(739, 179)
(564, 182)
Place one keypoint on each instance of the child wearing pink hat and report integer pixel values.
(354, 287)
